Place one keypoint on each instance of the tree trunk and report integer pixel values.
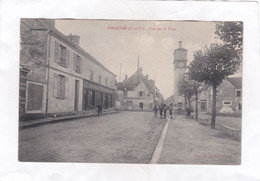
(185, 97)
(189, 100)
(196, 105)
(213, 116)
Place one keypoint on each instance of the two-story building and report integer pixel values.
(138, 93)
(62, 78)
(229, 97)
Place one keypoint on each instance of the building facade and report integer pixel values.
(179, 69)
(229, 97)
(138, 93)
(63, 78)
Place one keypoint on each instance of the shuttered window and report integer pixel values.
(99, 79)
(106, 81)
(77, 63)
(60, 86)
(91, 75)
(61, 55)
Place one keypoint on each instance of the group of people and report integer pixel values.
(163, 111)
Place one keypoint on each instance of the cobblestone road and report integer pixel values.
(126, 137)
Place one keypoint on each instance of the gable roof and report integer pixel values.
(135, 80)
(236, 82)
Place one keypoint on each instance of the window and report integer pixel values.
(91, 75)
(106, 81)
(227, 103)
(61, 86)
(111, 84)
(61, 55)
(77, 63)
(35, 97)
(238, 93)
(92, 98)
(141, 93)
(99, 79)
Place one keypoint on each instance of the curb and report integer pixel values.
(57, 120)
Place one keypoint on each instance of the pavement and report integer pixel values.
(49, 120)
(188, 142)
(128, 137)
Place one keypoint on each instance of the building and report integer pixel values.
(179, 69)
(138, 93)
(229, 97)
(170, 100)
(62, 78)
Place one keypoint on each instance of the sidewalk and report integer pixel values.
(37, 122)
(188, 142)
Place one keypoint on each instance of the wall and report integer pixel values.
(225, 92)
(57, 105)
(33, 52)
(66, 105)
(87, 65)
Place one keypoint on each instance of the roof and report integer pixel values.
(135, 80)
(236, 82)
(70, 42)
(122, 86)
(48, 24)
(180, 49)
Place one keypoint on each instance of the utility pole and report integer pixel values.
(120, 73)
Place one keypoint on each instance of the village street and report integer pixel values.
(128, 137)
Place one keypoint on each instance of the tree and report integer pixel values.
(231, 33)
(186, 89)
(212, 66)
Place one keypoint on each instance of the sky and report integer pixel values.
(153, 41)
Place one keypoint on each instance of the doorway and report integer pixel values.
(76, 100)
(141, 105)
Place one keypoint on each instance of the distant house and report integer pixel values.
(170, 100)
(138, 93)
(229, 97)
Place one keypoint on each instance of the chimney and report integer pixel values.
(74, 38)
(125, 76)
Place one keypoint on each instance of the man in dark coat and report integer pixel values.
(170, 111)
(161, 111)
(155, 109)
(164, 111)
(99, 110)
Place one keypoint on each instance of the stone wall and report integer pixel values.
(33, 52)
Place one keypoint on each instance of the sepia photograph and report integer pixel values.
(130, 91)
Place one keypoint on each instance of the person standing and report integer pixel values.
(155, 109)
(99, 110)
(170, 111)
(161, 111)
(164, 111)
(188, 111)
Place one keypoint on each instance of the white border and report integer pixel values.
(13, 10)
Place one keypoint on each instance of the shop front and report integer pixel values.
(95, 94)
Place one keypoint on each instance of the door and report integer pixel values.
(85, 99)
(141, 105)
(76, 101)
